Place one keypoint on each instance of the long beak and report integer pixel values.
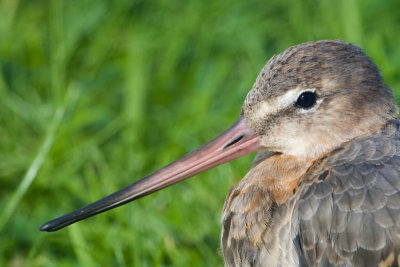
(237, 141)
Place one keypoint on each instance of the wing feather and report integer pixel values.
(351, 217)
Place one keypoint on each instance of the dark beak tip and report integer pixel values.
(47, 227)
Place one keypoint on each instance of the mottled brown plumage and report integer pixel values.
(324, 190)
(334, 200)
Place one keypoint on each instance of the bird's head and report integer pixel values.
(315, 96)
(306, 101)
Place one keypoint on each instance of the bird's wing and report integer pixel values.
(349, 212)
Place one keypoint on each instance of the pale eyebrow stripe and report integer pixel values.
(270, 107)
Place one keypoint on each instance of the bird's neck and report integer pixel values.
(258, 212)
(280, 175)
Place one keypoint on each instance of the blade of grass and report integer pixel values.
(35, 248)
(352, 24)
(34, 167)
(80, 246)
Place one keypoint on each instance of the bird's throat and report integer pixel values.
(261, 204)
(282, 175)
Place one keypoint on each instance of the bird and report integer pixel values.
(324, 187)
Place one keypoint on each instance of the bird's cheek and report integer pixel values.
(271, 143)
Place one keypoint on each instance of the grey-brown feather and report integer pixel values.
(355, 213)
(345, 205)
(351, 218)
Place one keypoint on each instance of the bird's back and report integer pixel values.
(346, 211)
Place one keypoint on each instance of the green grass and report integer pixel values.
(96, 94)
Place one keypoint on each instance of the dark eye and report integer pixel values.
(306, 100)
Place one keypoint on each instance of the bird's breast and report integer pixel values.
(258, 213)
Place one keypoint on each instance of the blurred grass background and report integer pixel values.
(96, 94)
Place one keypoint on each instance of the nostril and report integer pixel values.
(234, 141)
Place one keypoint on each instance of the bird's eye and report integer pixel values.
(306, 100)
